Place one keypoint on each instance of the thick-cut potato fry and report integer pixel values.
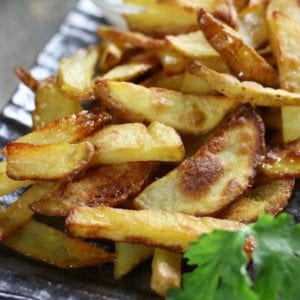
(61, 161)
(136, 142)
(290, 8)
(283, 160)
(75, 74)
(8, 185)
(240, 4)
(173, 62)
(128, 71)
(243, 61)
(128, 256)
(52, 104)
(18, 214)
(247, 91)
(67, 130)
(27, 79)
(170, 231)
(128, 39)
(111, 55)
(283, 31)
(193, 45)
(217, 174)
(270, 198)
(252, 24)
(159, 18)
(186, 113)
(51, 246)
(108, 185)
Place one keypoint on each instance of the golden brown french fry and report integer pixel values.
(108, 185)
(173, 62)
(27, 79)
(291, 10)
(61, 161)
(128, 71)
(283, 160)
(270, 198)
(75, 74)
(217, 174)
(51, 246)
(135, 142)
(52, 104)
(170, 231)
(243, 61)
(128, 39)
(247, 91)
(18, 214)
(111, 55)
(159, 18)
(240, 4)
(70, 129)
(129, 256)
(186, 113)
(166, 271)
(8, 185)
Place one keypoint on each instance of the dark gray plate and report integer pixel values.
(22, 278)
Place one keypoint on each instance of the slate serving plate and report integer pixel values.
(22, 278)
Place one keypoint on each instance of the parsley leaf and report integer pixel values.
(221, 263)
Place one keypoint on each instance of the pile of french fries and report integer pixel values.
(192, 126)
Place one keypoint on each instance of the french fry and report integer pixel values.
(283, 160)
(170, 231)
(186, 113)
(173, 62)
(111, 55)
(18, 214)
(135, 142)
(8, 185)
(216, 175)
(61, 161)
(243, 61)
(70, 129)
(27, 79)
(75, 74)
(51, 246)
(128, 256)
(128, 39)
(270, 198)
(283, 30)
(247, 91)
(159, 18)
(166, 271)
(291, 10)
(108, 185)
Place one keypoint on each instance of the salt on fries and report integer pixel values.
(175, 147)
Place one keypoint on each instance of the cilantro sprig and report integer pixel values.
(221, 263)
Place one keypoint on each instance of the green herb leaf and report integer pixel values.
(221, 262)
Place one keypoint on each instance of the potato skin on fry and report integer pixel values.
(243, 61)
(170, 231)
(217, 174)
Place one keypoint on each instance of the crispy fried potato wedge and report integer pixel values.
(18, 214)
(166, 271)
(51, 246)
(170, 231)
(8, 185)
(67, 130)
(283, 160)
(173, 62)
(61, 161)
(128, 39)
(270, 198)
(111, 55)
(186, 113)
(240, 4)
(27, 79)
(252, 24)
(75, 74)
(108, 185)
(284, 30)
(243, 61)
(159, 18)
(217, 174)
(129, 256)
(291, 10)
(52, 104)
(247, 91)
(135, 142)
(128, 71)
